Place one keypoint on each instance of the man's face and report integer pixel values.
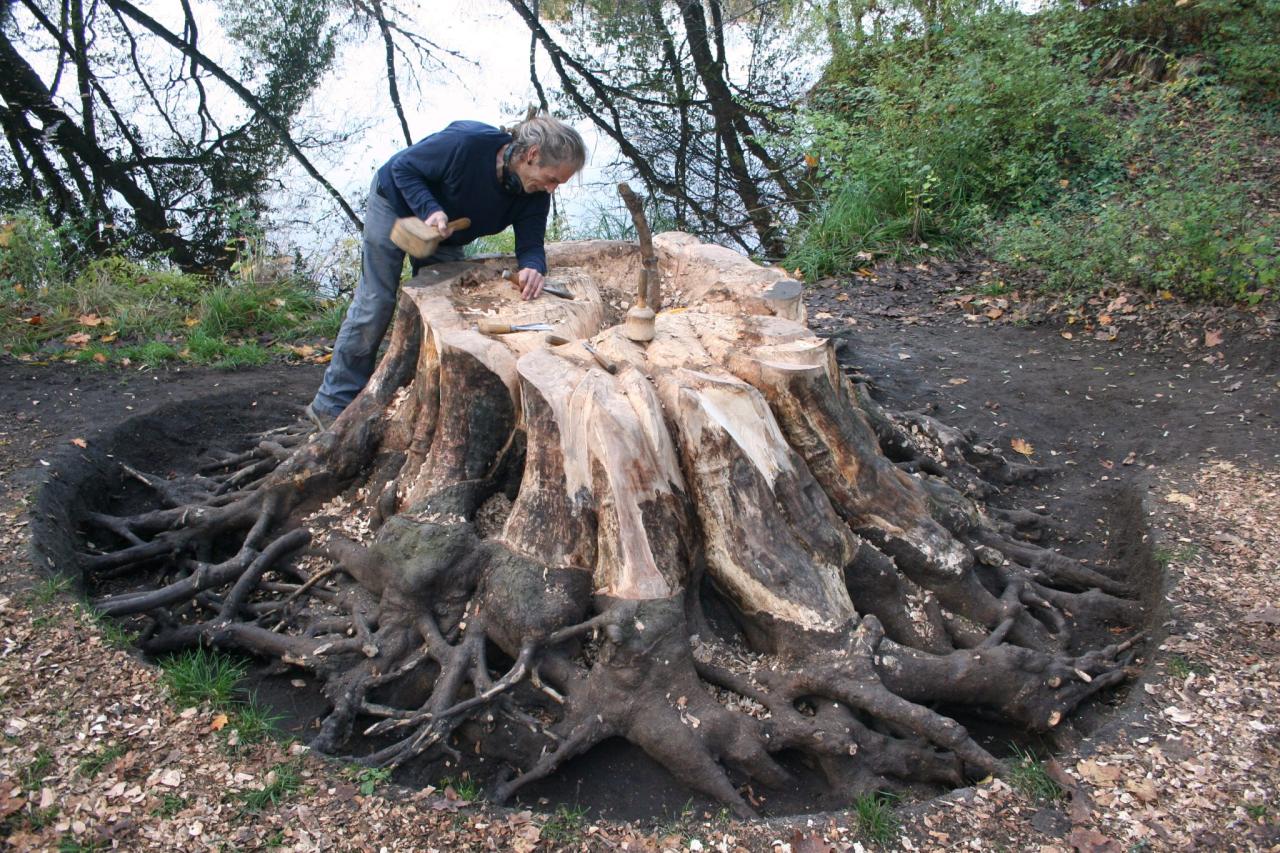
(539, 178)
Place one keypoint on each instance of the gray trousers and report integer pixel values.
(356, 350)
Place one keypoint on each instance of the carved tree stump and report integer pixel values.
(490, 494)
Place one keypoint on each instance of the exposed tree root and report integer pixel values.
(725, 551)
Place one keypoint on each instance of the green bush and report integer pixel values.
(925, 144)
(1184, 219)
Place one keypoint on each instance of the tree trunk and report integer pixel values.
(498, 492)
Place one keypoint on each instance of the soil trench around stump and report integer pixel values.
(616, 779)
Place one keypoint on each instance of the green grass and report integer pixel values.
(1027, 776)
(94, 764)
(1256, 811)
(566, 825)
(200, 675)
(464, 786)
(170, 805)
(369, 779)
(35, 772)
(874, 817)
(282, 781)
(327, 319)
(255, 722)
(150, 354)
(50, 588)
(1180, 667)
(69, 843)
(56, 300)
(112, 633)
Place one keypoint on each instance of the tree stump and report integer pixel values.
(722, 551)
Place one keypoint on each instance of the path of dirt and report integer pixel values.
(1188, 423)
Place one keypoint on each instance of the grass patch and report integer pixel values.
(150, 354)
(875, 818)
(69, 843)
(35, 772)
(1180, 667)
(201, 675)
(94, 764)
(1027, 776)
(254, 722)
(369, 779)
(464, 786)
(112, 633)
(170, 806)
(50, 588)
(327, 319)
(282, 781)
(566, 825)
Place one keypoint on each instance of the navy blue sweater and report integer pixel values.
(455, 170)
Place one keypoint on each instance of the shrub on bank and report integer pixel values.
(54, 299)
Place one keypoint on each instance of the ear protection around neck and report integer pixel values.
(511, 183)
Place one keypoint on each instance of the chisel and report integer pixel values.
(547, 286)
(492, 327)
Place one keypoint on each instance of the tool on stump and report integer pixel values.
(492, 327)
(639, 325)
(547, 286)
(420, 240)
(600, 358)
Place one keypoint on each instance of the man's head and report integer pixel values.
(545, 153)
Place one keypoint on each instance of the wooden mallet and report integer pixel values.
(420, 240)
(639, 325)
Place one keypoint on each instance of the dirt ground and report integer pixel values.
(1163, 420)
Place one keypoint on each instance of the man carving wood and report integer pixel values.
(468, 170)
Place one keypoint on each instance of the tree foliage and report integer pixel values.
(129, 117)
(688, 92)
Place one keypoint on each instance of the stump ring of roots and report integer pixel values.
(721, 552)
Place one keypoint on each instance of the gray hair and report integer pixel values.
(557, 142)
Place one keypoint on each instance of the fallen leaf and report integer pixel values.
(106, 339)
(1021, 445)
(956, 380)
(994, 313)
(1094, 773)
(1181, 499)
(304, 351)
(822, 315)
(33, 320)
(1212, 337)
(79, 442)
(814, 843)
(1143, 789)
(100, 358)
(90, 320)
(218, 723)
(1087, 840)
(79, 339)
(1178, 715)
(1068, 335)
(191, 321)
(1265, 615)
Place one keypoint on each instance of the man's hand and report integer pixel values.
(440, 222)
(530, 283)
